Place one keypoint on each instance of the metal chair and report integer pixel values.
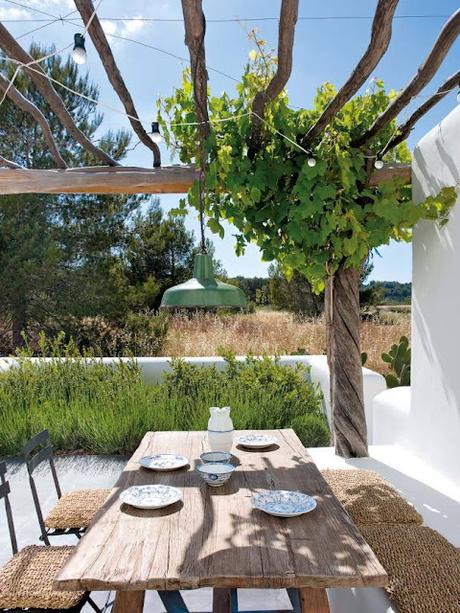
(26, 580)
(74, 510)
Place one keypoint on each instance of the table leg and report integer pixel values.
(224, 600)
(313, 600)
(129, 602)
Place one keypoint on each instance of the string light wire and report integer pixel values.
(233, 117)
(29, 65)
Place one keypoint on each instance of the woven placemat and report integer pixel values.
(27, 579)
(369, 499)
(423, 567)
(76, 509)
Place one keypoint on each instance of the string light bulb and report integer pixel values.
(378, 164)
(311, 161)
(79, 51)
(155, 134)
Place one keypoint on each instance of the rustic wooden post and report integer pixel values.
(344, 360)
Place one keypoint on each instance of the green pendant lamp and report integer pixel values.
(203, 290)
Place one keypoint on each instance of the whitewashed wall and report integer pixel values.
(432, 428)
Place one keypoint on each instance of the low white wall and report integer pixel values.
(391, 416)
(152, 370)
(433, 428)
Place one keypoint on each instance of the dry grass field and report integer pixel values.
(275, 332)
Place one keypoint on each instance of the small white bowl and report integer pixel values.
(216, 457)
(215, 475)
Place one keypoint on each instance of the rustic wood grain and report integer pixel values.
(128, 180)
(22, 103)
(286, 30)
(97, 34)
(129, 602)
(214, 537)
(14, 50)
(344, 360)
(98, 180)
(422, 77)
(405, 128)
(221, 600)
(313, 600)
(378, 45)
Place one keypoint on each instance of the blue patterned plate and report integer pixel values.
(283, 503)
(256, 441)
(150, 496)
(163, 461)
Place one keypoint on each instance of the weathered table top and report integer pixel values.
(214, 537)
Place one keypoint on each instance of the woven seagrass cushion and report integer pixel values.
(76, 509)
(422, 566)
(369, 499)
(27, 579)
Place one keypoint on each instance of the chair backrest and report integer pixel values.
(36, 451)
(4, 493)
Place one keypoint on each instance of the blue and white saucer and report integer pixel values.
(164, 461)
(283, 503)
(150, 496)
(256, 441)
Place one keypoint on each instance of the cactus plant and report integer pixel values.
(398, 359)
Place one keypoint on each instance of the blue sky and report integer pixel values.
(325, 49)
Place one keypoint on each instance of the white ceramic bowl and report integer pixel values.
(216, 457)
(215, 475)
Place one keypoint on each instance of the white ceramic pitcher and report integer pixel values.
(220, 429)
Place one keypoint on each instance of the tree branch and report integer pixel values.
(86, 10)
(28, 107)
(286, 30)
(9, 163)
(195, 29)
(14, 50)
(405, 128)
(380, 39)
(425, 73)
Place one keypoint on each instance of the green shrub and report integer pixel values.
(312, 430)
(141, 333)
(107, 409)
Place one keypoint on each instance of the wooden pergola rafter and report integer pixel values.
(172, 178)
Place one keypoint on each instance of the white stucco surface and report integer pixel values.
(432, 430)
(390, 416)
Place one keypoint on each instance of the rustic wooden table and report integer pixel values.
(215, 538)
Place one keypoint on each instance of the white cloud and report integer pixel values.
(133, 26)
(13, 12)
(109, 27)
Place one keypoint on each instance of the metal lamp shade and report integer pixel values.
(203, 290)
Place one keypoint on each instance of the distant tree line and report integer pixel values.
(393, 292)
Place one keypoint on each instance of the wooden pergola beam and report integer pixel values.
(380, 39)
(423, 76)
(286, 30)
(25, 105)
(98, 180)
(97, 34)
(391, 172)
(14, 50)
(405, 128)
(131, 180)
